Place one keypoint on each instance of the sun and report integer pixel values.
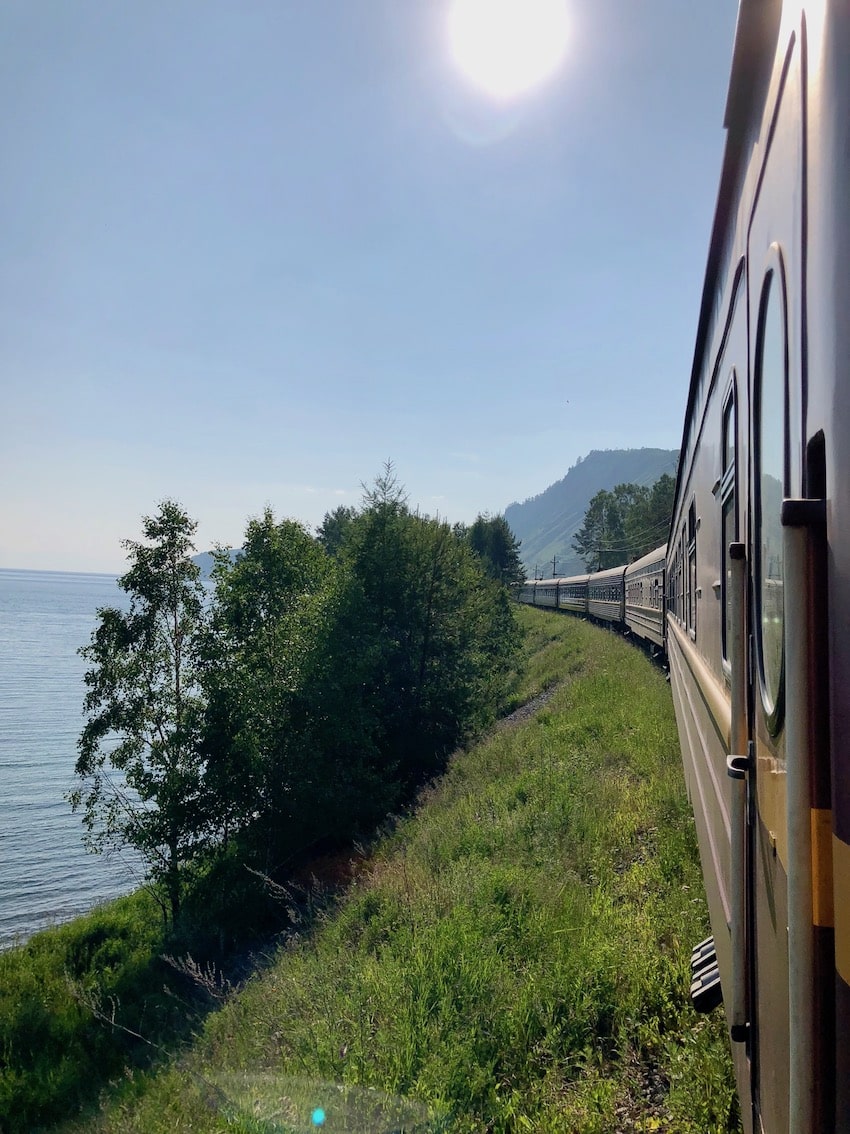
(506, 47)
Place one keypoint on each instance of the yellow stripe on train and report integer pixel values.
(841, 890)
(823, 904)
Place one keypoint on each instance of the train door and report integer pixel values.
(731, 496)
(771, 385)
(787, 1014)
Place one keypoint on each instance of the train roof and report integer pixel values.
(559, 580)
(659, 554)
(609, 573)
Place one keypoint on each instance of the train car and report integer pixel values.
(572, 594)
(645, 597)
(605, 595)
(758, 570)
(546, 593)
(526, 591)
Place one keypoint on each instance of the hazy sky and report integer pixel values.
(252, 250)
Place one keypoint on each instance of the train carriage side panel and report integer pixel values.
(605, 595)
(572, 594)
(768, 413)
(526, 592)
(825, 428)
(546, 593)
(645, 596)
(710, 507)
(699, 673)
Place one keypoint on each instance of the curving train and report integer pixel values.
(628, 597)
(750, 598)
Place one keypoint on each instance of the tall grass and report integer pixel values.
(548, 657)
(57, 991)
(514, 954)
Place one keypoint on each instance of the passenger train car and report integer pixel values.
(750, 599)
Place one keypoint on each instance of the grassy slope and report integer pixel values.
(516, 952)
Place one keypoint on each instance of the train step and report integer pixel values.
(706, 992)
(704, 949)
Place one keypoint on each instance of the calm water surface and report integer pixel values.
(46, 875)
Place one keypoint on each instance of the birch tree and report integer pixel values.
(139, 757)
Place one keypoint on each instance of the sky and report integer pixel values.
(251, 251)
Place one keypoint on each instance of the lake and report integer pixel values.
(46, 875)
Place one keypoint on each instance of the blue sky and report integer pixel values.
(253, 250)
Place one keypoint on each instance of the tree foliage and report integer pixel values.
(139, 752)
(260, 633)
(436, 636)
(622, 525)
(334, 528)
(492, 540)
(302, 699)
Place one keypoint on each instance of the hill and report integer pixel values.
(205, 561)
(546, 524)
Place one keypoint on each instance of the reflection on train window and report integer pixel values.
(770, 485)
(729, 511)
(692, 568)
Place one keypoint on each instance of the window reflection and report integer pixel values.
(729, 522)
(771, 480)
(729, 436)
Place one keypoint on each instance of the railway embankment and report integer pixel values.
(511, 955)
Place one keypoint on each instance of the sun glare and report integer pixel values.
(508, 46)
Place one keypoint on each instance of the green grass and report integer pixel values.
(52, 1048)
(515, 953)
(548, 656)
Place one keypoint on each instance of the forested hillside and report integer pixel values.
(546, 524)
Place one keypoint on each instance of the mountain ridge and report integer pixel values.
(546, 523)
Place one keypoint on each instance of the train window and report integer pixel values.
(692, 568)
(771, 476)
(728, 510)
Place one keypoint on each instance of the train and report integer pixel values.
(749, 600)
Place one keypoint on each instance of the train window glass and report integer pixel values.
(692, 568)
(678, 585)
(729, 431)
(771, 392)
(729, 511)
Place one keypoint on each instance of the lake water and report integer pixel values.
(46, 875)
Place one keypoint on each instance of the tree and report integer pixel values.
(436, 637)
(492, 540)
(624, 524)
(262, 767)
(139, 751)
(659, 512)
(600, 541)
(335, 527)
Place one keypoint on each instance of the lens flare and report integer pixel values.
(507, 47)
